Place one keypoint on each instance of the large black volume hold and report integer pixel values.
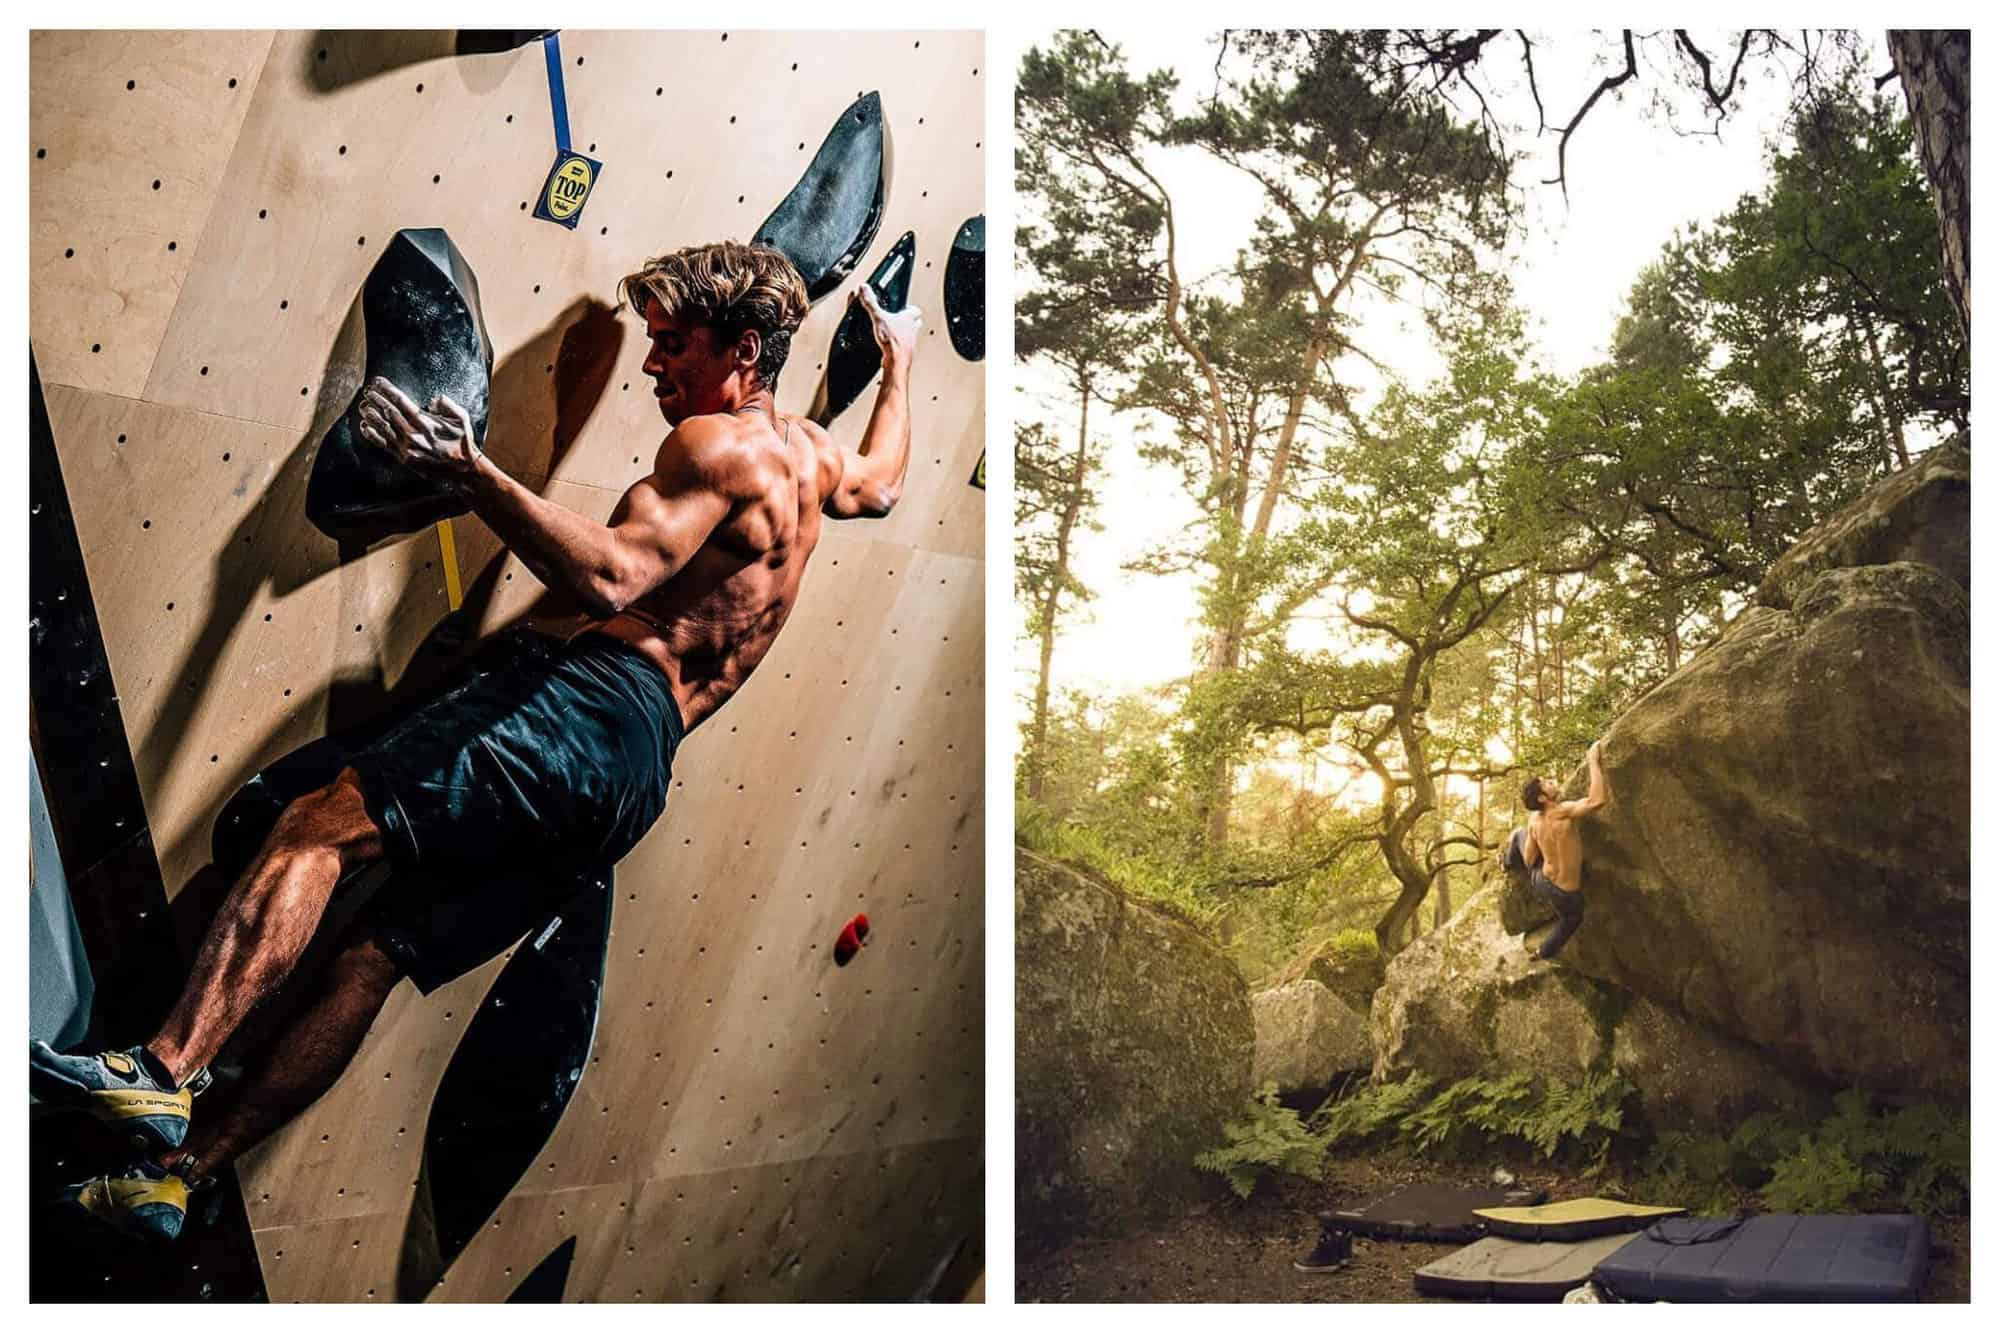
(425, 335)
(829, 219)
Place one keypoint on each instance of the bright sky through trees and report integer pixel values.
(1634, 177)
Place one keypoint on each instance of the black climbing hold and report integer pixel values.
(491, 41)
(514, 1071)
(545, 1285)
(829, 219)
(965, 290)
(855, 356)
(425, 334)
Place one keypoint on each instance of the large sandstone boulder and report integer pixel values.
(1787, 855)
(1468, 999)
(1922, 515)
(1132, 1045)
(1306, 1036)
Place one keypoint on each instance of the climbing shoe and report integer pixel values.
(1334, 1250)
(147, 1201)
(127, 1090)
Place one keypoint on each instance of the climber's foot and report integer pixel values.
(127, 1090)
(145, 1201)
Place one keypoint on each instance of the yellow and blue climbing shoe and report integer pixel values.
(127, 1090)
(147, 1201)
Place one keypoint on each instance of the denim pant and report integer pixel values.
(1569, 912)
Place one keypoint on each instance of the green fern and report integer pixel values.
(1470, 1110)
(1816, 1177)
(1371, 1111)
(1588, 1114)
(1270, 1138)
(1477, 1113)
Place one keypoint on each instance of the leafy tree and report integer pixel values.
(1089, 270)
(1369, 183)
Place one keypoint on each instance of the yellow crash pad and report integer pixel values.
(1573, 1219)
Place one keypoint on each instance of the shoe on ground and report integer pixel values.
(126, 1090)
(1333, 1252)
(146, 1201)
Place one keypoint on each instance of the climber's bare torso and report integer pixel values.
(709, 625)
(700, 564)
(1555, 846)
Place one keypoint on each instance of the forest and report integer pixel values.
(1415, 595)
(1562, 791)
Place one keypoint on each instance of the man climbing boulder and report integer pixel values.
(1551, 850)
(562, 758)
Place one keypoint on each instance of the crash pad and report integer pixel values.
(1498, 1269)
(1573, 1219)
(1776, 1257)
(1429, 1210)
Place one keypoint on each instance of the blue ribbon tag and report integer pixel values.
(571, 179)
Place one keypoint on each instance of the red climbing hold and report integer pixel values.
(852, 936)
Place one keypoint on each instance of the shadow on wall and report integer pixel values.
(275, 548)
(337, 59)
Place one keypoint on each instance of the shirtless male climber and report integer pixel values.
(564, 758)
(1553, 849)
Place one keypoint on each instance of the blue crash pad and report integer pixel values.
(1776, 1257)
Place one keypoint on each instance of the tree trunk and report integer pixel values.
(1052, 603)
(1897, 453)
(1225, 653)
(1935, 67)
(1484, 864)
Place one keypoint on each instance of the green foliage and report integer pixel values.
(1693, 1170)
(1919, 1157)
(1474, 1115)
(1163, 885)
(1549, 1115)
(1352, 945)
(1471, 1108)
(1372, 1111)
(1861, 1157)
(1915, 1159)
(1269, 1138)
(1816, 1177)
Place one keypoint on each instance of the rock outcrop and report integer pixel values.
(1786, 859)
(1468, 999)
(1133, 1043)
(1306, 1037)
(1921, 515)
(1352, 975)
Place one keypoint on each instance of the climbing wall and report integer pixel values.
(755, 1122)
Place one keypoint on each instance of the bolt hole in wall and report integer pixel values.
(222, 174)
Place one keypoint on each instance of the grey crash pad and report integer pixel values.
(1498, 1269)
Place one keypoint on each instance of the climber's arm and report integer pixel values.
(1600, 790)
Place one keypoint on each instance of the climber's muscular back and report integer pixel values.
(1552, 831)
(766, 475)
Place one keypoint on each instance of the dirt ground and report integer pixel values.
(1226, 1250)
